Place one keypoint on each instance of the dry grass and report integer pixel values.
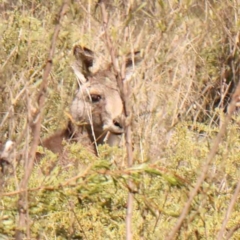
(179, 98)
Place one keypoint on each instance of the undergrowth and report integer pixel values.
(179, 98)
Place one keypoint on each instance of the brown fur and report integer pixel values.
(97, 104)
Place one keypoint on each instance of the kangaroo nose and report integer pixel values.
(114, 126)
(117, 124)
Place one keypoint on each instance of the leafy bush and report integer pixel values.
(179, 98)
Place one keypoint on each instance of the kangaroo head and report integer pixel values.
(98, 102)
(97, 108)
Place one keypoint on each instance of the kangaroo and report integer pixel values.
(97, 108)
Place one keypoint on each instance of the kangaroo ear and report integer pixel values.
(131, 62)
(84, 61)
(84, 55)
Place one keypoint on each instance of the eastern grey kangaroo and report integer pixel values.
(97, 108)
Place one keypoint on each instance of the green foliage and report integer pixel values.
(179, 96)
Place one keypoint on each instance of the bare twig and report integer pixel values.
(211, 155)
(232, 231)
(228, 212)
(125, 92)
(113, 173)
(36, 127)
(11, 108)
(68, 182)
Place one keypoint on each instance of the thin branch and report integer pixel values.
(125, 92)
(112, 173)
(36, 128)
(211, 155)
(232, 231)
(229, 211)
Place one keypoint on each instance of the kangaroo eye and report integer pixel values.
(95, 98)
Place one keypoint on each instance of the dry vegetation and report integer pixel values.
(179, 99)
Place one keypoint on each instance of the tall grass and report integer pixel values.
(179, 99)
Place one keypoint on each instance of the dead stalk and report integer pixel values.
(232, 231)
(201, 178)
(125, 93)
(228, 212)
(35, 124)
